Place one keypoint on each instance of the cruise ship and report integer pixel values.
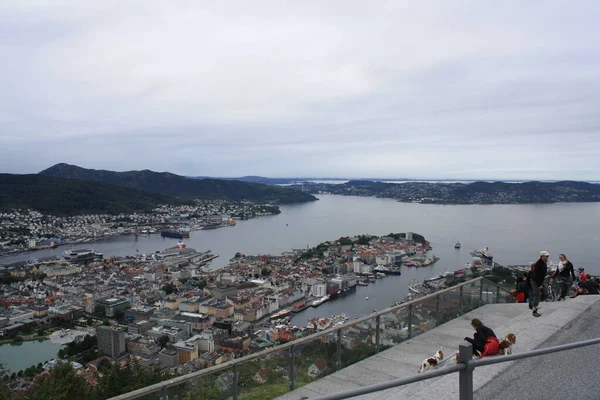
(485, 254)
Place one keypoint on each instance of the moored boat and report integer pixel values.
(281, 314)
(173, 234)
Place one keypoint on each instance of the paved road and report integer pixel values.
(569, 375)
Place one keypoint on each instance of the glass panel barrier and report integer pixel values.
(359, 341)
(470, 297)
(158, 394)
(315, 359)
(505, 296)
(424, 315)
(265, 377)
(217, 385)
(272, 375)
(488, 293)
(393, 327)
(449, 305)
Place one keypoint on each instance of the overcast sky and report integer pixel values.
(390, 89)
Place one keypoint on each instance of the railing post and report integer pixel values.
(292, 375)
(234, 388)
(497, 294)
(410, 320)
(437, 310)
(377, 333)
(338, 351)
(465, 377)
(460, 301)
(164, 393)
(480, 292)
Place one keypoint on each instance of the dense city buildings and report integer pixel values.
(111, 341)
(24, 229)
(166, 308)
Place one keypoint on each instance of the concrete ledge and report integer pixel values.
(404, 359)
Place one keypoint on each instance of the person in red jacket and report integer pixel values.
(484, 339)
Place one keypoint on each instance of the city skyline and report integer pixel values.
(384, 90)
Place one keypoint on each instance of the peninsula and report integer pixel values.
(466, 193)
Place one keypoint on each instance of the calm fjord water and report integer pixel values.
(514, 233)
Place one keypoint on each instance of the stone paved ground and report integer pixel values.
(557, 320)
(572, 374)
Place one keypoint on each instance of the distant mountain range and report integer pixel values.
(61, 196)
(179, 186)
(257, 179)
(289, 181)
(65, 189)
(467, 193)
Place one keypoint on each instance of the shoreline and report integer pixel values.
(103, 238)
(12, 342)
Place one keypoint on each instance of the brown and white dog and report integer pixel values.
(432, 361)
(506, 344)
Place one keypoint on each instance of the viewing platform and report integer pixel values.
(560, 322)
(391, 344)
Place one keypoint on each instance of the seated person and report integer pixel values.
(588, 286)
(521, 290)
(484, 340)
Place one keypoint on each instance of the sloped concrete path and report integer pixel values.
(571, 374)
(403, 360)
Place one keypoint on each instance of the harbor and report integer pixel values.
(337, 279)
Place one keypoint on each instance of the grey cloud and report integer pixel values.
(462, 89)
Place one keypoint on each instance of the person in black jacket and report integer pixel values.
(481, 335)
(521, 290)
(563, 270)
(536, 279)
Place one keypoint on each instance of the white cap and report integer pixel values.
(544, 253)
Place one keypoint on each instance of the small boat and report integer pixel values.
(367, 298)
(457, 245)
(283, 313)
(443, 275)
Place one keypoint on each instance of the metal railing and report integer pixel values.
(465, 366)
(390, 326)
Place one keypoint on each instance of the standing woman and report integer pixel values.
(537, 274)
(563, 272)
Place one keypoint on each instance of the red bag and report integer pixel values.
(491, 348)
(520, 297)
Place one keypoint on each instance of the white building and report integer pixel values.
(318, 290)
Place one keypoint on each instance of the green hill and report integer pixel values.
(180, 186)
(61, 196)
(532, 192)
